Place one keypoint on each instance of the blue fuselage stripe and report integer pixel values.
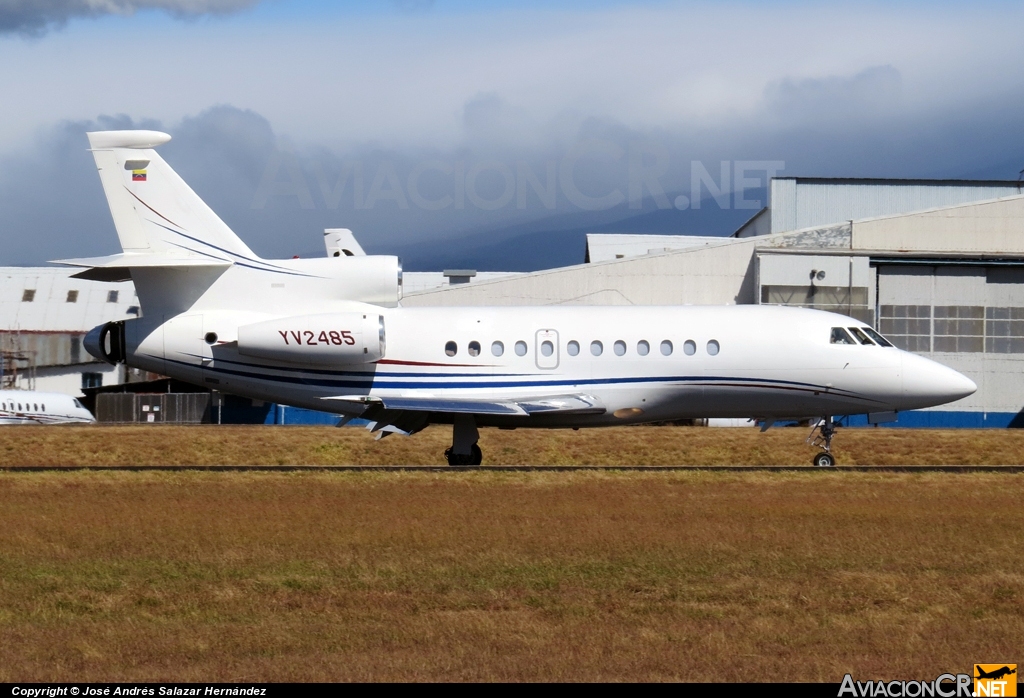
(369, 381)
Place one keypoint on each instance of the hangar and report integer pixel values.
(44, 314)
(935, 265)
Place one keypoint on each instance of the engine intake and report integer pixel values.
(106, 342)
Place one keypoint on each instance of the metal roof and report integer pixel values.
(900, 181)
(47, 299)
(605, 247)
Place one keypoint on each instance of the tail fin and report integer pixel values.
(154, 211)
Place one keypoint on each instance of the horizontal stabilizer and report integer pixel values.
(562, 404)
(127, 139)
(117, 267)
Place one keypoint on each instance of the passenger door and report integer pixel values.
(546, 349)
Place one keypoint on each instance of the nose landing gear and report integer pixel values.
(821, 436)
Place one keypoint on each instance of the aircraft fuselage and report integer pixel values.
(642, 364)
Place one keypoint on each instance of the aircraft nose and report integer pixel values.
(927, 383)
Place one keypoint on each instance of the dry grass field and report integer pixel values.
(327, 576)
(262, 445)
(485, 575)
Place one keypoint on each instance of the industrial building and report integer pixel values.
(44, 315)
(935, 265)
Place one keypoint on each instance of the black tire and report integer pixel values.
(474, 457)
(824, 460)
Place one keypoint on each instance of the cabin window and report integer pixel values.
(72, 297)
(547, 348)
(19, 407)
(596, 348)
(497, 348)
(689, 347)
(713, 347)
(451, 348)
(474, 348)
(643, 348)
(666, 348)
(860, 336)
(619, 347)
(879, 339)
(573, 348)
(520, 348)
(35, 407)
(28, 295)
(44, 408)
(840, 336)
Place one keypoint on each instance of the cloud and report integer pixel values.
(424, 80)
(415, 200)
(873, 92)
(36, 17)
(354, 110)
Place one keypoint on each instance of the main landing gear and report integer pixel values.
(464, 451)
(821, 436)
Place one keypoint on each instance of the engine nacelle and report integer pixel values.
(322, 340)
(106, 342)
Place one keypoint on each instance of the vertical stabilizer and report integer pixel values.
(154, 211)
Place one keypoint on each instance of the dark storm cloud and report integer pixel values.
(423, 203)
(872, 92)
(35, 17)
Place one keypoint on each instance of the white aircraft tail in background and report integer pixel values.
(330, 334)
(31, 407)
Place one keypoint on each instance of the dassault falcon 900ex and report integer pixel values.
(330, 334)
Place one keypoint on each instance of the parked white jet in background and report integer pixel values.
(31, 407)
(329, 334)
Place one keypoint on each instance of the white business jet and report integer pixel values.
(330, 334)
(31, 407)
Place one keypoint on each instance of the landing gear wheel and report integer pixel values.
(821, 436)
(474, 457)
(824, 460)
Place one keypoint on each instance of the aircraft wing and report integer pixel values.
(408, 415)
(523, 407)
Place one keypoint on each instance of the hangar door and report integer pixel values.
(952, 308)
(836, 283)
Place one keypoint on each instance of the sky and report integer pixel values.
(419, 121)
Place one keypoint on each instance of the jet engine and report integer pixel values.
(375, 279)
(106, 342)
(322, 340)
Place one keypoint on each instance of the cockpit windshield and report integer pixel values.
(840, 336)
(882, 341)
(864, 335)
(860, 335)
